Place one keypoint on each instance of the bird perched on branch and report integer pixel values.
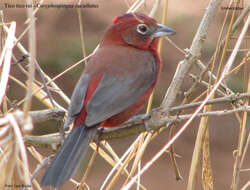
(116, 83)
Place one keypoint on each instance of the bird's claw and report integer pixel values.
(99, 134)
(147, 126)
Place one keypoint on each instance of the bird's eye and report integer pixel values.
(142, 28)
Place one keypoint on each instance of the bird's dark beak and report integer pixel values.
(163, 31)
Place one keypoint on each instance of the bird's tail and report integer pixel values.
(69, 156)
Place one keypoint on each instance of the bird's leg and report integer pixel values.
(99, 134)
(148, 125)
(61, 131)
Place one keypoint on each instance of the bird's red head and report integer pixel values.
(137, 30)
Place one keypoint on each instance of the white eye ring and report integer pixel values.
(142, 28)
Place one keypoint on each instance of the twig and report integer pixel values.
(119, 162)
(57, 114)
(245, 150)
(81, 31)
(245, 187)
(90, 164)
(50, 81)
(204, 120)
(45, 115)
(229, 34)
(21, 147)
(243, 62)
(240, 148)
(231, 98)
(6, 60)
(41, 74)
(136, 6)
(205, 84)
(193, 175)
(51, 114)
(34, 12)
(194, 52)
(173, 44)
(155, 7)
(24, 32)
(43, 97)
(237, 22)
(32, 47)
(214, 78)
(172, 157)
(207, 174)
(235, 26)
(123, 165)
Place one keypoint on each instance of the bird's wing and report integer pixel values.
(77, 99)
(115, 93)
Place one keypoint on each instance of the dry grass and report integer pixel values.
(16, 124)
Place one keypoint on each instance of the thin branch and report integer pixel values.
(41, 74)
(236, 24)
(136, 6)
(185, 65)
(45, 115)
(245, 187)
(6, 60)
(81, 31)
(231, 98)
(24, 32)
(32, 47)
(50, 81)
(227, 67)
(136, 125)
(55, 114)
(155, 7)
(173, 156)
(240, 148)
(198, 80)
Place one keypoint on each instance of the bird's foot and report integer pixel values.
(147, 126)
(99, 134)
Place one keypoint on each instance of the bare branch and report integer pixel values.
(136, 124)
(192, 55)
(155, 119)
(32, 47)
(231, 98)
(45, 115)
(5, 59)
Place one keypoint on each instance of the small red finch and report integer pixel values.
(115, 85)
